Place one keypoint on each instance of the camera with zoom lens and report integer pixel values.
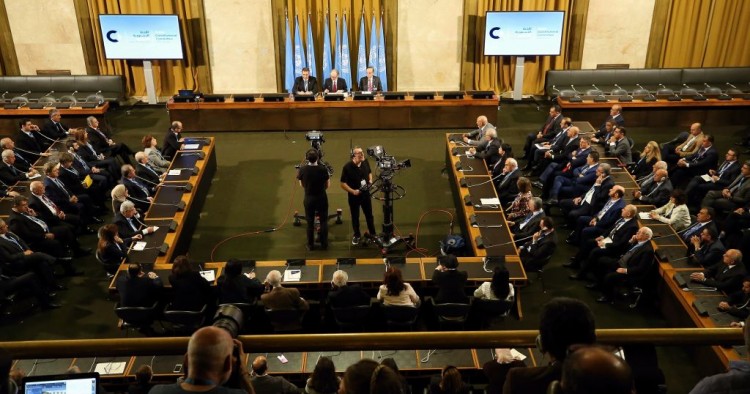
(386, 162)
(229, 318)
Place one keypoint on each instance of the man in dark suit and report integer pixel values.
(592, 200)
(725, 277)
(563, 166)
(99, 175)
(172, 140)
(24, 160)
(615, 117)
(559, 152)
(535, 253)
(736, 195)
(18, 259)
(53, 129)
(550, 129)
(563, 322)
(263, 383)
(698, 163)
(138, 190)
(344, 295)
(95, 158)
(145, 171)
(9, 174)
(588, 227)
(524, 228)
(450, 281)
(708, 249)
(280, 297)
(104, 143)
(557, 142)
(704, 219)
(334, 84)
(138, 289)
(51, 213)
(490, 151)
(29, 139)
(76, 181)
(128, 225)
(573, 181)
(656, 192)
(619, 146)
(629, 269)
(371, 82)
(506, 183)
(476, 136)
(719, 178)
(55, 240)
(69, 202)
(305, 84)
(612, 242)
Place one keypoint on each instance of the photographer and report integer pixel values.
(315, 179)
(356, 178)
(210, 364)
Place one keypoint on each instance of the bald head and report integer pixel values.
(210, 353)
(260, 365)
(593, 370)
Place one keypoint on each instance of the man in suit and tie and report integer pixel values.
(9, 174)
(57, 240)
(103, 143)
(656, 192)
(50, 212)
(614, 119)
(53, 129)
(29, 139)
(718, 179)
(138, 190)
(576, 180)
(19, 259)
(612, 242)
(550, 129)
(145, 171)
(69, 202)
(592, 200)
(734, 196)
(370, 83)
(558, 152)
(688, 147)
(698, 163)
(128, 224)
(76, 181)
(280, 297)
(98, 174)
(535, 253)
(726, 277)
(619, 146)
(556, 142)
(24, 160)
(172, 140)
(305, 84)
(522, 229)
(476, 137)
(563, 166)
(344, 295)
(334, 84)
(704, 219)
(490, 151)
(506, 183)
(588, 227)
(450, 281)
(708, 248)
(630, 269)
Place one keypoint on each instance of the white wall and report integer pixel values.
(617, 32)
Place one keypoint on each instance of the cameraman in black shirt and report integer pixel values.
(356, 177)
(315, 179)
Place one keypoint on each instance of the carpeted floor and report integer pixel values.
(255, 189)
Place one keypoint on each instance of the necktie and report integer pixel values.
(737, 185)
(688, 144)
(584, 169)
(305, 85)
(73, 170)
(617, 227)
(624, 259)
(82, 162)
(39, 222)
(104, 136)
(143, 188)
(692, 231)
(151, 169)
(59, 127)
(11, 239)
(723, 168)
(334, 86)
(527, 220)
(700, 155)
(61, 186)
(369, 85)
(130, 222)
(589, 195)
(547, 126)
(606, 208)
(51, 205)
(656, 187)
(91, 149)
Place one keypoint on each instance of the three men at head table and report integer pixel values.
(334, 84)
(305, 84)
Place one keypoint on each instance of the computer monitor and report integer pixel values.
(80, 383)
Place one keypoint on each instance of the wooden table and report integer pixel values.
(72, 117)
(333, 115)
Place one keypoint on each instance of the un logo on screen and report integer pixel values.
(494, 32)
(112, 36)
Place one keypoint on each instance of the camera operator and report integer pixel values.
(210, 364)
(356, 178)
(315, 179)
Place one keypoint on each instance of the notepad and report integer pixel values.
(292, 275)
(112, 368)
(191, 146)
(139, 245)
(35, 176)
(489, 201)
(644, 215)
(175, 172)
(208, 275)
(542, 147)
(517, 355)
(706, 178)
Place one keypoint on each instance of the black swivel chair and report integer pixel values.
(352, 318)
(137, 317)
(184, 322)
(399, 317)
(488, 311)
(451, 316)
(285, 320)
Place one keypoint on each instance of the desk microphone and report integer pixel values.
(186, 187)
(27, 93)
(722, 95)
(180, 205)
(3, 96)
(200, 154)
(599, 98)
(146, 180)
(193, 169)
(49, 93)
(699, 96)
(628, 97)
(649, 96)
(577, 98)
(485, 182)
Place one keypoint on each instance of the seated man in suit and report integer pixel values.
(9, 174)
(305, 84)
(280, 297)
(614, 119)
(370, 82)
(594, 369)
(334, 84)
(147, 172)
(52, 128)
(629, 269)
(450, 281)
(22, 163)
(490, 150)
(548, 131)
(172, 141)
(704, 219)
(718, 179)
(128, 224)
(138, 288)
(524, 228)
(619, 146)
(559, 152)
(576, 180)
(344, 295)
(738, 304)
(698, 163)
(476, 137)
(77, 181)
(557, 143)
(736, 194)
(31, 141)
(66, 199)
(656, 192)
(507, 182)
(589, 227)
(563, 166)
(612, 242)
(562, 322)
(263, 383)
(50, 212)
(688, 147)
(18, 259)
(590, 201)
(535, 253)
(708, 248)
(137, 189)
(726, 277)
(103, 143)
(99, 174)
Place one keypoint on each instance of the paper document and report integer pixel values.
(489, 201)
(542, 147)
(113, 368)
(175, 172)
(706, 178)
(191, 146)
(35, 176)
(208, 275)
(517, 355)
(644, 215)
(139, 245)
(292, 275)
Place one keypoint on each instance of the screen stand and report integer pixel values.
(518, 83)
(148, 74)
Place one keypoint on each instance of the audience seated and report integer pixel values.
(734, 196)
(592, 200)
(548, 131)
(17, 259)
(592, 226)
(523, 228)
(394, 291)
(726, 277)
(499, 288)
(90, 155)
(537, 251)
(714, 179)
(490, 151)
(236, 287)
(675, 213)
(619, 146)
(704, 219)
(630, 269)
(323, 380)
(190, 291)
(699, 163)
(612, 242)
(592, 369)
(648, 158)
(738, 304)
(154, 154)
(690, 145)
(128, 222)
(30, 140)
(391, 363)
(708, 249)
(263, 383)
(344, 295)
(9, 174)
(111, 249)
(560, 152)
(142, 384)
(449, 382)
(656, 192)
(450, 281)
(506, 182)
(368, 377)
(575, 181)
(119, 194)
(496, 369)
(102, 142)
(279, 297)
(139, 192)
(563, 167)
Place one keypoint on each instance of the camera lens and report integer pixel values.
(230, 318)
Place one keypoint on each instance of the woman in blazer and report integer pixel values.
(112, 249)
(675, 213)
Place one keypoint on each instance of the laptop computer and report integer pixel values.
(80, 383)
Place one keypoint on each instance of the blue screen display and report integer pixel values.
(147, 37)
(523, 33)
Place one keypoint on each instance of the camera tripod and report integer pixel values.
(387, 240)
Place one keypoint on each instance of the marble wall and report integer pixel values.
(617, 32)
(429, 44)
(45, 34)
(241, 49)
